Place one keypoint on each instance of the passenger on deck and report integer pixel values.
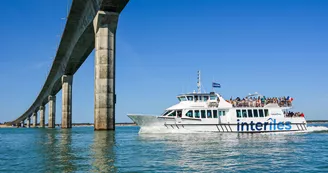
(179, 114)
(260, 101)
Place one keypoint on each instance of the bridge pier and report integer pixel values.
(35, 119)
(28, 122)
(67, 81)
(52, 111)
(42, 116)
(105, 24)
(75, 46)
(23, 123)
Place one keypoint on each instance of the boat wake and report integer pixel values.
(317, 129)
(154, 130)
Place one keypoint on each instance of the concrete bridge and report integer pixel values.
(90, 24)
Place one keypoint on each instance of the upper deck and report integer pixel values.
(213, 99)
(258, 100)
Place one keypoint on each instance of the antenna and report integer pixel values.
(198, 82)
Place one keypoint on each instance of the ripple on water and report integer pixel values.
(85, 150)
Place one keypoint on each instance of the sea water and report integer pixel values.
(81, 149)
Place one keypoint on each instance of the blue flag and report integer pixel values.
(216, 85)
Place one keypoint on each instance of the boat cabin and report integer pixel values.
(198, 97)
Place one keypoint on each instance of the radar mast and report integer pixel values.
(198, 82)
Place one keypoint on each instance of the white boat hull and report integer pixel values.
(155, 124)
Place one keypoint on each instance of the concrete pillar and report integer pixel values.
(42, 116)
(105, 24)
(67, 81)
(28, 122)
(52, 111)
(35, 119)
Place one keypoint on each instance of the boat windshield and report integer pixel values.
(197, 97)
(165, 113)
(182, 98)
(213, 97)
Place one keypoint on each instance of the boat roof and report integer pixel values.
(197, 94)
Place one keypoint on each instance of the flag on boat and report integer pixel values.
(216, 85)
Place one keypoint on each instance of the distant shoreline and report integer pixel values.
(75, 125)
(91, 124)
(316, 121)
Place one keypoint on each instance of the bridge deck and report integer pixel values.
(77, 42)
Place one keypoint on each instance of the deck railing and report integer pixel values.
(259, 104)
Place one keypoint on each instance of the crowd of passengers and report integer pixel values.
(260, 101)
(292, 114)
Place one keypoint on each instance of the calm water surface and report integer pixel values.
(82, 149)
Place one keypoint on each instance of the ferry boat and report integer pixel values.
(210, 112)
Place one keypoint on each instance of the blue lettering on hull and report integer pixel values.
(271, 125)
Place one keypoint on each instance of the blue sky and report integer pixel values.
(274, 47)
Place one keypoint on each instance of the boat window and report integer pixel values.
(189, 114)
(215, 113)
(205, 98)
(203, 113)
(255, 113)
(261, 112)
(190, 98)
(197, 114)
(182, 98)
(244, 113)
(166, 112)
(209, 114)
(173, 114)
(212, 97)
(223, 113)
(238, 113)
(250, 115)
(266, 113)
(196, 98)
